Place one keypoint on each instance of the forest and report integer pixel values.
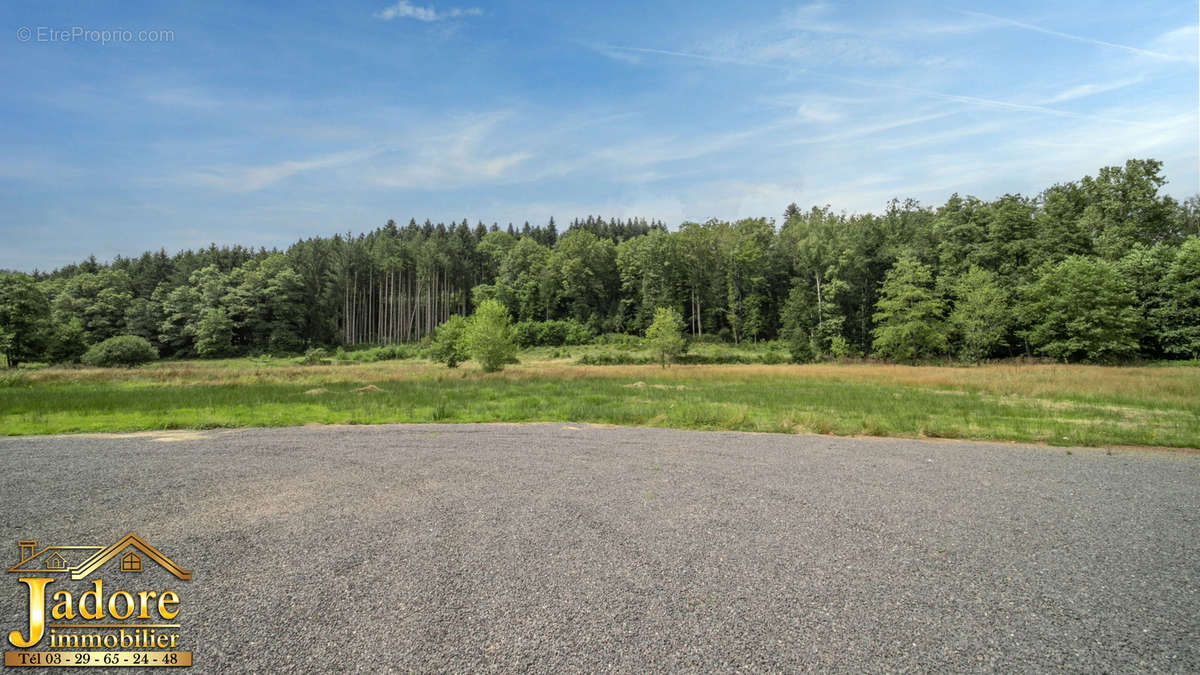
(1103, 269)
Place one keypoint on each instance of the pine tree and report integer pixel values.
(908, 318)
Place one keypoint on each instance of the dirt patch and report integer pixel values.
(642, 385)
(161, 436)
(178, 436)
(314, 392)
(368, 389)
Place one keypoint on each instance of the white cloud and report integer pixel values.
(407, 10)
(254, 178)
(940, 137)
(612, 51)
(870, 128)
(1085, 90)
(465, 153)
(1180, 43)
(819, 109)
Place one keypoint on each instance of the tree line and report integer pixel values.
(1101, 269)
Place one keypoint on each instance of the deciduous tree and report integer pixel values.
(909, 322)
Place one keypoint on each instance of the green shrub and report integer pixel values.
(800, 346)
(122, 350)
(373, 354)
(489, 337)
(773, 358)
(284, 341)
(839, 348)
(526, 333)
(718, 359)
(315, 356)
(449, 346)
(13, 378)
(391, 352)
(619, 340)
(607, 358)
(551, 333)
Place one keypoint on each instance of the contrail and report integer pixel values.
(689, 55)
(1068, 36)
(970, 100)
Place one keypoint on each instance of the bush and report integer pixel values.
(550, 333)
(489, 337)
(839, 348)
(526, 333)
(284, 341)
(122, 350)
(774, 358)
(315, 356)
(448, 344)
(620, 340)
(800, 346)
(373, 354)
(390, 353)
(614, 359)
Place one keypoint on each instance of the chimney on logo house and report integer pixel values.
(27, 548)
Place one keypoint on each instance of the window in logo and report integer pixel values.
(130, 562)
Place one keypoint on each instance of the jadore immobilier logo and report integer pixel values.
(89, 606)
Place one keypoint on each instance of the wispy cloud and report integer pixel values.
(407, 10)
(1069, 36)
(254, 178)
(1002, 105)
(617, 53)
(1179, 43)
(612, 50)
(1085, 90)
(870, 129)
(467, 152)
(969, 100)
(820, 110)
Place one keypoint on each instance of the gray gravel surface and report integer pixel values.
(558, 547)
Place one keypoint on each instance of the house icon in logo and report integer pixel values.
(80, 561)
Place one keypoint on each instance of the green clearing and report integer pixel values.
(1055, 404)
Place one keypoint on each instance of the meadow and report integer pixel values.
(743, 389)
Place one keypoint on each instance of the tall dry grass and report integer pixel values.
(1173, 385)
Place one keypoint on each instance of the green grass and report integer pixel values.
(1062, 405)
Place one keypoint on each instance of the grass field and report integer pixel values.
(1056, 404)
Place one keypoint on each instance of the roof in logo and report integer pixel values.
(92, 564)
(70, 554)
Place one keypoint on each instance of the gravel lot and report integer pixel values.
(558, 547)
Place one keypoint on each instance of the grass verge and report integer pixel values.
(1062, 405)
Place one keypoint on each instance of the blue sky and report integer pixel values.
(261, 125)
